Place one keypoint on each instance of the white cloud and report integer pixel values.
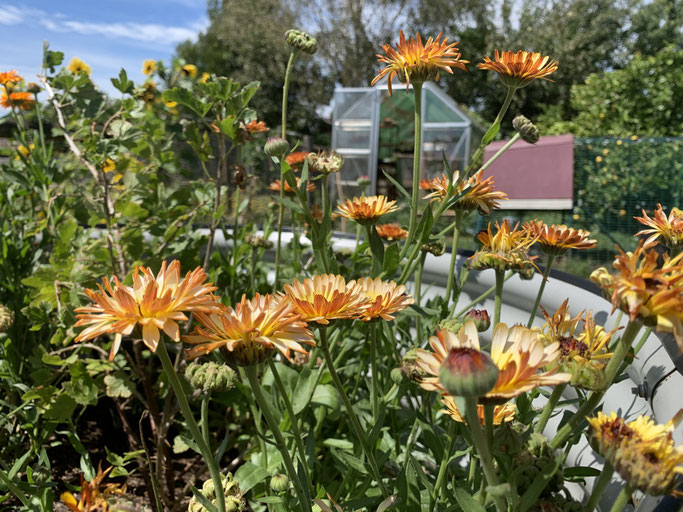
(149, 33)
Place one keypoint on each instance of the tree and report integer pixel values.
(643, 98)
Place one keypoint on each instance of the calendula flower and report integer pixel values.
(324, 162)
(93, 499)
(10, 77)
(366, 209)
(189, 70)
(77, 66)
(413, 61)
(25, 151)
(325, 297)
(425, 184)
(391, 232)
(507, 249)
(557, 240)
(250, 333)
(501, 413)
(149, 66)
(668, 230)
(296, 159)
(646, 290)
(517, 70)
(518, 353)
(583, 352)
(275, 186)
(22, 100)
(641, 451)
(479, 193)
(256, 127)
(152, 302)
(384, 298)
(204, 78)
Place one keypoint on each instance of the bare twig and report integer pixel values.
(177, 225)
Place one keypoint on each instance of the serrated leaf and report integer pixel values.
(118, 386)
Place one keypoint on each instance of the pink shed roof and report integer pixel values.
(534, 176)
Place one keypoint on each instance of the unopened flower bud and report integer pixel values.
(526, 129)
(451, 324)
(300, 40)
(363, 181)
(526, 273)
(480, 317)
(325, 163)
(239, 177)
(410, 368)
(210, 377)
(258, 241)
(276, 146)
(6, 318)
(234, 502)
(397, 375)
(279, 483)
(468, 372)
(33, 88)
(435, 248)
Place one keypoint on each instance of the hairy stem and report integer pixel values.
(546, 273)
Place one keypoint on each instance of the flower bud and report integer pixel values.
(33, 88)
(210, 377)
(480, 317)
(452, 324)
(468, 372)
(526, 129)
(363, 181)
(300, 40)
(276, 146)
(279, 483)
(435, 248)
(6, 318)
(258, 241)
(324, 162)
(410, 368)
(397, 375)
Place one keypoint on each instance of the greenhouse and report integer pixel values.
(374, 132)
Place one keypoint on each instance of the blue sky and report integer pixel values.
(106, 34)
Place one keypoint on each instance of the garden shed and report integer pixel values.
(374, 132)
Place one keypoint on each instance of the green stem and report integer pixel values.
(279, 440)
(374, 397)
(549, 407)
(325, 196)
(205, 419)
(40, 128)
(418, 293)
(298, 438)
(500, 280)
(480, 150)
(235, 227)
(252, 271)
(210, 460)
(436, 491)
(482, 449)
(417, 156)
(502, 150)
(546, 273)
(599, 487)
(622, 500)
(488, 423)
(285, 91)
(14, 489)
(620, 352)
(481, 297)
(471, 473)
(454, 256)
(355, 423)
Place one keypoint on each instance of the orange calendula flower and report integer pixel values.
(325, 297)
(10, 77)
(367, 209)
(506, 249)
(501, 413)
(22, 100)
(641, 451)
(425, 184)
(149, 66)
(275, 186)
(250, 333)
(517, 70)
(297, 158)
(646, 290)
(557, 240)
(256, 127)
(518, 353)
(478, 193)
(413, 61)
(77, 66)
(384, 298)
(668, 230)
(152, 302)
(93, 499)
(391, 232)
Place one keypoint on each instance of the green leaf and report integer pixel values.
(303, 392)
(82, 388)
(187, 99)
(249, 475)
(288, 203)
(579, 472)
(377, 249)
(118, 385)
(51, 59)
(203, 500)
(466, 501)
(180, 445)
(342, 444)
(326, 395)
(229, 126)
(391, 260)
(544, 476)
(122, 83)
(350, 460)
(397, 185)
(491, 134)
